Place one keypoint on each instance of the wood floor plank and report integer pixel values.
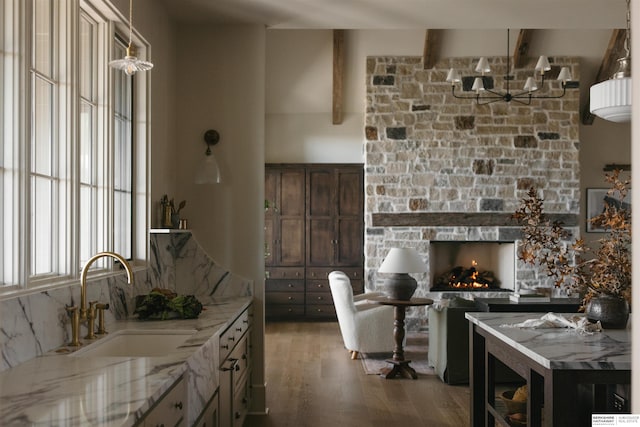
(312, 382)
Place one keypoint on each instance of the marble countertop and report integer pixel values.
(62, 389)
(559, 348)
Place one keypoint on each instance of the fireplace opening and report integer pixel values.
(472, 266)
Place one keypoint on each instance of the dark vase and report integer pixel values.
(611, 311)
(175, 220)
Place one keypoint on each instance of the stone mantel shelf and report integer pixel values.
(459, 219)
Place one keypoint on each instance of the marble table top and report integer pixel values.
(559, 348)
(61, 389)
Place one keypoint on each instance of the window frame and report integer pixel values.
(17, 72)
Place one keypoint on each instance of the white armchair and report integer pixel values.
(365, 327)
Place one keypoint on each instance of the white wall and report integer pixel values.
(221, 87)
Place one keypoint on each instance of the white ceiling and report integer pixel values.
(406, 14)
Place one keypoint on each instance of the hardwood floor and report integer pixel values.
(312, 382)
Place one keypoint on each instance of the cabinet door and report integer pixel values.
(335, 230)
(284, 219)
(271, 180)
(349, 227)
(320, 210)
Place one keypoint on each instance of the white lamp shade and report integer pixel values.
(564, 75)
(530, 85)
(478, 84)
(403, 260)
(453, 76)
(483, 66)
(543, 64)
(611, 100)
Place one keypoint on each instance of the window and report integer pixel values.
(73, 152)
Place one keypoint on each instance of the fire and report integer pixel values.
(470, 279)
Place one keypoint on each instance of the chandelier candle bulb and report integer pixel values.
(483, 66)
(478, 84)
(530, 84)
(453, 76)
(543, 65)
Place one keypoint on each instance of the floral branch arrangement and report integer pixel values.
(546, 243)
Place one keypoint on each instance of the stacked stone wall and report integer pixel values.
(427, 151)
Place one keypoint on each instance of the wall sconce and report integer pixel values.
(208, 171)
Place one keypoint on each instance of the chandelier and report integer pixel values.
(484, 95)
(130, 63)
(611, 99)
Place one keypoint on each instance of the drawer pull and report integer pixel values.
(320, 286)
(290, 298)
(178, 405)
(245, 321)
(319, 298)
(290, 285)
(232, 338)
(225, 346)
(230, 367)
(290, 310)
(239, 329)
(319, 310)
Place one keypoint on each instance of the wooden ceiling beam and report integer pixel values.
(609, 65)
(338, 76)
(521, 49)
(431, 48)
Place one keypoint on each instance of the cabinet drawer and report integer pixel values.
(170, 409)
(354, 273)
(318, 285)
(232, 335)
(319, 298)
(284, 311)
(285, 273)
(284, 297)
(320, 310)
(282, 285)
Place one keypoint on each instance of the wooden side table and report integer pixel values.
(400, 365)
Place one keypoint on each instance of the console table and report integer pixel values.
(553, 362)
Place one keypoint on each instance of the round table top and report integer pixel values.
(404, 303)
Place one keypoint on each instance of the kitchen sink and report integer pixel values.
(136, 343)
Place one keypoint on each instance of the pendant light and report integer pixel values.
(130, 63)
(611, 99)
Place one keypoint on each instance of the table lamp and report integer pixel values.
(399, 262)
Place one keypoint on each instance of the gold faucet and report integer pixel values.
(83, 277)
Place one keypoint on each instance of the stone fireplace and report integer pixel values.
(440, 169)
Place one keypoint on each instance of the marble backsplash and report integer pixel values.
(37, 323)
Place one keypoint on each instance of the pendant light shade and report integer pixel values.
(130, 64)
(611, 99)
